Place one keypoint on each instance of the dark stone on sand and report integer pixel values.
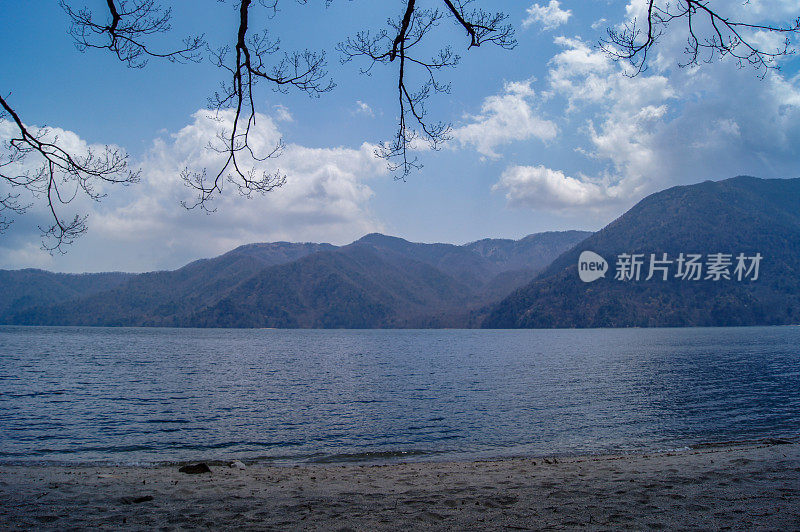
(776, 441)
(136, 500)
(195, 469)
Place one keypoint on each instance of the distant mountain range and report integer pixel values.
(377, 281)
(380, 281)
(742, 215)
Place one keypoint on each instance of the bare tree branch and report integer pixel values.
(399, 42)
(128, 26)
(709, 33)
(131, 22)
(60, 177)
(305, 71)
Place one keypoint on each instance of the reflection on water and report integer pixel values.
(143, 395)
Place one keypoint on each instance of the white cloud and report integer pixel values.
(64, 139)
(550, 16)
(764, 10)
(282, 114)
(664, 127)
(683, 125)
(20, 244)
(671, 46)
(584, 74)
(364, 109)
(505, 118)
(24, 255)
(540, 187)
(325, 199)
(619, 113)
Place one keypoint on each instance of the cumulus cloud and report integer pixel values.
(504, 118)
(586, 75)
(666, 126)
(21, 254)
(623, 112)
(20, 243)
(67, 140)
(326, 198)
(541, 187)
(676, 125)
(620, 112)
(550, 16)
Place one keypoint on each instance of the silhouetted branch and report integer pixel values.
(60, 177)
(131, 22)
(9, 204)
(399, 42)
(708, 30)
(305, 71)
(127, 27)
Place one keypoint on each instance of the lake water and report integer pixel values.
(133, 395)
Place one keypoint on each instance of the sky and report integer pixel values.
(552, 135)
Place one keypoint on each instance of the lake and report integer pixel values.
(146, 395)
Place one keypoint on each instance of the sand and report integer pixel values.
(753, 486)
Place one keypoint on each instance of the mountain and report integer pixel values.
(154, 298)
(493, 267)
(377, 281)
(740, 215)
(517, 261)
(531, 252)
(32, 287)
(355, 287)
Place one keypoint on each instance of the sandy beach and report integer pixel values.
(754, 486)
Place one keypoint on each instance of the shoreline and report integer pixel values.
(395, 329)
(381, 458)
(711, 486)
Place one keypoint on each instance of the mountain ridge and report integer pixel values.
(741, 214)
(431, 283)
(380, 281)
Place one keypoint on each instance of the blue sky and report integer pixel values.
(551, 135)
